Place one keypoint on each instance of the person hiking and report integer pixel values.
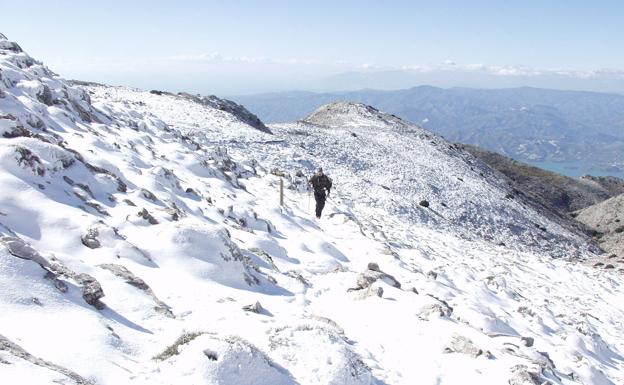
(320, 182)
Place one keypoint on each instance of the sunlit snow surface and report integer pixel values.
(223, 242)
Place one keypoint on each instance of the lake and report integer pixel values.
(576, 169)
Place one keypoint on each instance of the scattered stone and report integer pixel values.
(424, 203)
(609, 266)
(254, 308)
(432, 274)
(598, 264)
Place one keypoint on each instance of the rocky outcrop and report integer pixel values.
(606, 219)
(91, 289)
(132, 280)
(233, 108)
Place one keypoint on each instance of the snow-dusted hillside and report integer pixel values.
(142, 242)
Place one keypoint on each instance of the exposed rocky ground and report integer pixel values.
(607, 220)
(556, 191)
(142, 241)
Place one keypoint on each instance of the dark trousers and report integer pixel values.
(319, 196)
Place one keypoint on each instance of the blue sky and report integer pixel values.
(229, 47)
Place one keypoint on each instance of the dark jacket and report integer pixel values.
(320, 183)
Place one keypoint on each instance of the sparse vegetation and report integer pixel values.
(172, 350)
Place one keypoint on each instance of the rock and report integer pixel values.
(20, 249)
(461, 344)
(528, 341)
(424, 203)
(440, 309)
(373, 266)
(133, 280)
(91, 290)
(609, 266)
(254, 308)
(45, 96)
(126, 275)
(371, 275)
(369, 292)
(90, 238)
(522, 376)
(148, 195)
(147, 216)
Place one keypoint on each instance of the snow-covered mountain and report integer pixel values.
(142, 241)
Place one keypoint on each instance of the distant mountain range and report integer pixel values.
(578, 129)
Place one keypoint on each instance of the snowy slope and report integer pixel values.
(135, 227)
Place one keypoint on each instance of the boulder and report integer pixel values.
(440, 309)
(373, 274)
(461, 344)
(91, 290)
(90, 238)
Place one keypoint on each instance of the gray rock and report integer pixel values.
(436, 310)
(132, 280)
(147, 216)
(18, 248)
(254, 308)
(521, 375)
(369, 292)
(90, 238)
(149, 195)
(45, 96)
(373, 274)
(91, 290)
(528, 341)
(461, 344)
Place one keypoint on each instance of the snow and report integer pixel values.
(474, 266)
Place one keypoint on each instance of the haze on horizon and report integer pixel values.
(245, 47)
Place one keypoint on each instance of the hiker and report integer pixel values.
(320, 182)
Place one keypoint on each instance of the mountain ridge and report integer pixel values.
(527, 124)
